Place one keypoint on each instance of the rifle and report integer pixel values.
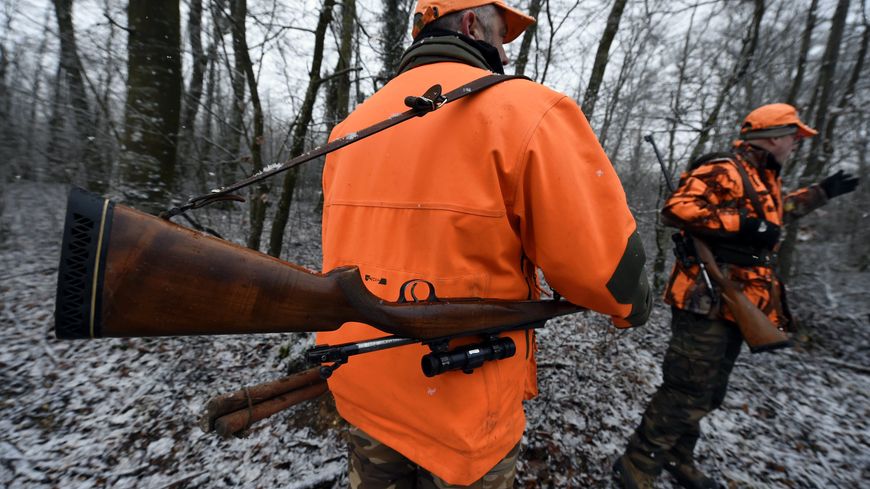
(757, 329)
(124, 273)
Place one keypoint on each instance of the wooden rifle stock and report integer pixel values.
(758, 331)
(124, 273)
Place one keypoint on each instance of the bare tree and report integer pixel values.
(193, 95)
(8, 139)
(526, 44)
(631, 71)
(338, 95)
(213, 93)
(83, 145)
(816, 160)
(825, 88)
(677, 111)
(244, 67)
(601, 57)
(396, 15)
(806, 42)
(555, 27)
(33, 149)
(300, 129)
(153, 102)
(747, 52)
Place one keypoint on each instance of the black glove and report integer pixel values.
(758, 232)
(838, 184)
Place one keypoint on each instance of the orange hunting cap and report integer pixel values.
(428, 10)
(773, 121)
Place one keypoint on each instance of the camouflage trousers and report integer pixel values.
(374, 465)
(697, 365)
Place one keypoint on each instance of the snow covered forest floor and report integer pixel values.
(122, 412)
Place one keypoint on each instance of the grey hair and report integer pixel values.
(453, 20)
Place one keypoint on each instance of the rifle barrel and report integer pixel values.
(649, 138)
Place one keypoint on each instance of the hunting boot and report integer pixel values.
(688, 474)
(627, 475)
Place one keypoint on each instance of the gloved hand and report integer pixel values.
(838, 184)
(758, 232)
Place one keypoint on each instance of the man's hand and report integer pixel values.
(838, 184)
(759, 232)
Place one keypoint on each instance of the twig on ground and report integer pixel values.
(861, 369)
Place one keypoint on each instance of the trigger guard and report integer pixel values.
(413, 283)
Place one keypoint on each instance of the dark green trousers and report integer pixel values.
(374, 465)
(698, 362)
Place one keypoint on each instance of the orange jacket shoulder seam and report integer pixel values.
(521, 166)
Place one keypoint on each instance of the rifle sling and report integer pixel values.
(775, 300)
(420, 106)
(749, 189)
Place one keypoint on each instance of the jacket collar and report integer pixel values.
(759, 158)
(437, 45)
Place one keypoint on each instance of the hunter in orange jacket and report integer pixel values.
(473, 197)
(732, 201)
(711, 202)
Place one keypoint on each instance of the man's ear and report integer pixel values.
(470, 25)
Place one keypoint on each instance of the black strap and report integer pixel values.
(419, 106)
(742, 255)
(749, 189)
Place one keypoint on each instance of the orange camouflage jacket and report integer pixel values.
(708, 203)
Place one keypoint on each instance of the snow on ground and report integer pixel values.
(122, 412)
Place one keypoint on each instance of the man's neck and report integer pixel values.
(487, 51)
(760, 156)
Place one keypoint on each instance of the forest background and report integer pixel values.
(152, 101)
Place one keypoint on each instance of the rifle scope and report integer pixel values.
(468, 357)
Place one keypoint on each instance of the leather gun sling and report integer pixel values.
(432, 101)
(776, 291)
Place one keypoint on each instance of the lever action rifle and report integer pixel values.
(757, 329)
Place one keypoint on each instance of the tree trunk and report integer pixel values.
(747, 52)
(601, 56)
(259, 193)
(194, 89)
(846, 98)
(300, 130)
(338, 96)
(634, 50)
(153, 104)
(396, 14)
(526, 45)
(816, 161)
(236, 129)
(85, 141)
(8, 132)
(212, 93)
(827, 72)
(806, 41)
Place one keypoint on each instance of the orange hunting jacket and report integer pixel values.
(471, 197)
(708, 204)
